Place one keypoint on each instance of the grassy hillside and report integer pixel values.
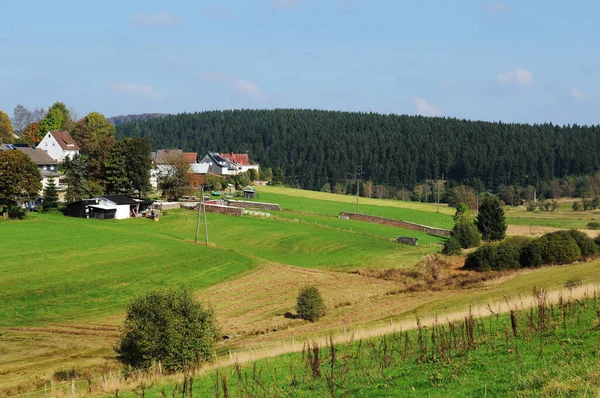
(550, 350)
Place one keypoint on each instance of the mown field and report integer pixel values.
(65, 283)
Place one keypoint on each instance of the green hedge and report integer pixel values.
(561, 247)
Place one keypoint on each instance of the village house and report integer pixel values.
(59, 145)
(228, 163)
(240, 161)
(47, 166)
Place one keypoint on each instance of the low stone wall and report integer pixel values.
(166, 205)
(397, 223)
(408, 241)
(255, 205)
(229, 210)
(188, 205)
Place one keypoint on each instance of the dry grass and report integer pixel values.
(536, 230)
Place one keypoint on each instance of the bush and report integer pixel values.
(593, 225)
(577, 206)
(586, 245)
(532, 254)
(309, 304)
(482, 259)
(509, 252)
(452, 247)
(168, 326)
(467, 234)
(559, 248)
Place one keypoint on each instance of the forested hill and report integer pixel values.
(116, 120)
(315, 147)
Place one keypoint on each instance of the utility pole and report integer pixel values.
(202, 206)
(204, 211)
(438, 201)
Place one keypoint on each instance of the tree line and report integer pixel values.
(314, 148)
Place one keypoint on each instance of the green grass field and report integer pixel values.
(65, 282)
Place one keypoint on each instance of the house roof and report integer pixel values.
(220, 160)
(237, 158)
(38, 157)
(200, 168)
(65, 140)
(120, 199)
(162, 155)
(190, 157)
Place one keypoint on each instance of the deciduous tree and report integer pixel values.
(96, 137)
(6, 129)
(21, 118)
(30, 135)
(174, 180)
(20, 178)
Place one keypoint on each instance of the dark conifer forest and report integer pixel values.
(315, 147)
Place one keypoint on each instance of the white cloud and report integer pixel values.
(494, 8)
(141, 90)
(578, 94)
(242, 86)
(425, 108)
(285, 3)
(519, 76)
(158, 19)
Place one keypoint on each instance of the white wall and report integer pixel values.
(122, 212)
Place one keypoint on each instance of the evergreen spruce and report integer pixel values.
(490, 220)
(50, 201)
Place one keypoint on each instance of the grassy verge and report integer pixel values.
(550, 349)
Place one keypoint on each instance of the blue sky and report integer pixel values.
(515, 61)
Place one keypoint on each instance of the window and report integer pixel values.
(45, 168)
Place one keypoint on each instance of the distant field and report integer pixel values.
(329, 204)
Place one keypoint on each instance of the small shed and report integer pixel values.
(249, 192)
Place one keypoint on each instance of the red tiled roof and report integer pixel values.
(190, 157)
(65, 140)
(237, 158)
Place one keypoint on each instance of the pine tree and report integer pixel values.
(490, 220)
(50, 201)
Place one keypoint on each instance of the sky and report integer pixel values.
(531, 61)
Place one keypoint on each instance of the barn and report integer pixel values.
(106, 207)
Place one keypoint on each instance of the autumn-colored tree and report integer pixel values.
(6, 129)
(30, 135)
(174, 180)
(20, 178)
(96, 137)
(368, 189)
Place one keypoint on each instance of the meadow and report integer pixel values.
(65, 282)
(549, 350)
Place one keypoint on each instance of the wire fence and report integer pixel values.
(571, 290)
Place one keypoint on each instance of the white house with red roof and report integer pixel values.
(240, 161)
(59, 145)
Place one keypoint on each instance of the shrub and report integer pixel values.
(509, 253)
(167, 326)
(597, 240)
(532, 254)
(586, 245)
(577, 206)
(467, 234)
(482, 259)
(309, 304)
(452, 246)
(559, 248)
(593, 225)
